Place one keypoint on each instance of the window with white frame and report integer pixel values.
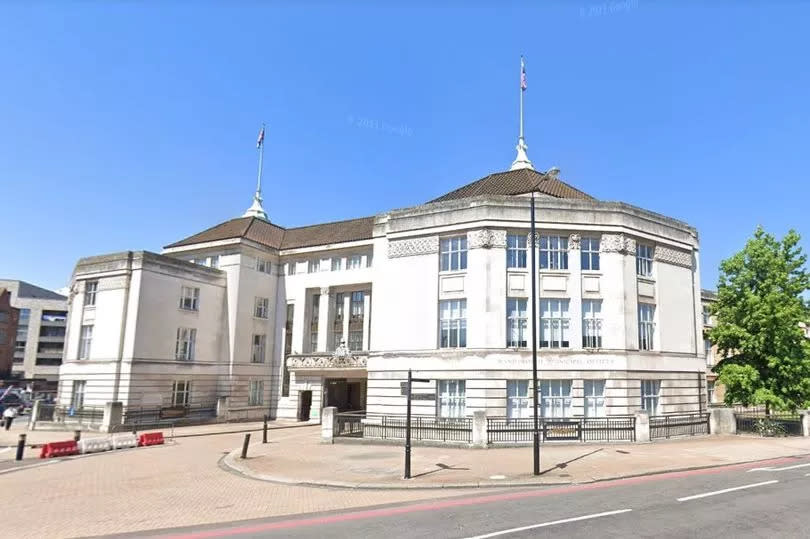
(707, 316)
(77, 394)
(355, 262)
(291, 268)
(181, 393)
(451, 398)
(650, 390)
(707, 349)
(516, 250)
(356, 304)
(314, 322)
(453, 253)
(590, 253)
(90, 289)
(710, 391)
(85, 341)
(646, 326)
(594, 391)
(554, 323)
(518, 404)
(555, 396)
(258, 348)
(592, 323)
(355, 343)
(314, 266)
(261, 265)
(261, 307)
(213, 261)
(369, 259)
(516, 323)
(339, 305)
(554, 252)
(644, 260)
(337, 263)
(184, 347)
(256, 393)
(453, 323)
(189, 298)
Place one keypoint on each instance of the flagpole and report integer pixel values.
(261, 160)
(521, 98)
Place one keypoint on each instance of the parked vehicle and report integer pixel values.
(12, 400)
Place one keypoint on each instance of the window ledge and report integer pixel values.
(446, 273)
(555, 271)
(645, 279)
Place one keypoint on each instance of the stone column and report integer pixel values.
(479, 429)
(722, 421)
(113, 415)
(347, 315)
(329, 426)
(222, 408)
(642, 426)
(32, 421)
(805, 415)
(323, 320)
(575, 291)
(366, 318)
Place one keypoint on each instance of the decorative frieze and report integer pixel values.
(486, 239)
(327, 362)
(617, 243)
(325, 291)
(413, 247)
(676, 257)
(574, 242)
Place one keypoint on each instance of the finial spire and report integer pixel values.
(256, 209)
(522, 159)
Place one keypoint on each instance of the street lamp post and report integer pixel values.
(411, 379)
(536, 437)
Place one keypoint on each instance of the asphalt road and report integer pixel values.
(738, 501)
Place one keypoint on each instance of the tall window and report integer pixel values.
(314, 321)
(592, 323)
(644, 260)
(556, 398)
(213, 261)
(453, 253)
(181, 393)
(554, 323)
(77, 394)
(189, 298)
(261, 308)
(516, 322)
(339, 306)
(452, 398)
(710, 391)
(258, 348)
(355, 262)
(85, 340)
(184, 347)
(646, 326)
(256, 393)
(355, 340)
(337, 263)
(590, 253)
(288, 336)
(291, 268)
(518, 404)
(594, 398)
(90, 289)
(707, 317)
(707, 349)
(649, 395)
(314, 266)
(516, 251)
(369, 259)
(554, 252)
(356, 304)
(261, 265)
(453, 323)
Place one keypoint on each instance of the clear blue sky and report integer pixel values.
(128, 125)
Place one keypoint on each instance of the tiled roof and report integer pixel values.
(516, 182)
(274, 236)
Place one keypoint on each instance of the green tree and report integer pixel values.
(758, 309)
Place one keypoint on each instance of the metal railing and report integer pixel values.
(87, 416)
(672, 425)
(772, 424)
(392, 427)
(144, 417)
(584, 429)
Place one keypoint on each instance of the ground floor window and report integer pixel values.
(451, 398)
(256, 393)
(181, 393)
(517, 399)
(594, 398)
(710, 391)
(650, 390)
(356, 341)
(555, 396)
(77, 394)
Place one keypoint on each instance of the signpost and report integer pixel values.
(411, 379)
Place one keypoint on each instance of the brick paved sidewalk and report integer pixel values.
(308, 462)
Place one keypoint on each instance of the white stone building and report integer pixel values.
(254, 312)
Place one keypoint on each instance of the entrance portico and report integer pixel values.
(337, 379)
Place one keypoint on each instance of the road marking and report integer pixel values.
(716, 492)
(553, 523)
(780, 469)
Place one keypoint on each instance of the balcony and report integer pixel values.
(341, 360)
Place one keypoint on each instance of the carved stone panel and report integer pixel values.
(413, 247)
(574, 242)
(617, 243)
(676, 257)
(486, 239)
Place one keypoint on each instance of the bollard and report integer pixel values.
(245, 445)
(77, 435)
(20, 447)
(264, 433)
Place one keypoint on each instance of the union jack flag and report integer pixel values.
(523, 84)
(260, 140)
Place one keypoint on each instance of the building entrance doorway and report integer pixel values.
(305, 405)
(346, 395)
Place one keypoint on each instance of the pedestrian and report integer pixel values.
(8, 416)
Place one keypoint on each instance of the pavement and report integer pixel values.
(306, 461)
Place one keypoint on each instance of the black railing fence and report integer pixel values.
(70, 416)
(501, 430)
(772, 424)
(392, 427)
(144, 417)
(673, 425)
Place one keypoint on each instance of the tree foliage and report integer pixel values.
(758, 310)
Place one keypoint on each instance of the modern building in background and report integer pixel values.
(714, 391)
(8, 330)
(40, 334)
